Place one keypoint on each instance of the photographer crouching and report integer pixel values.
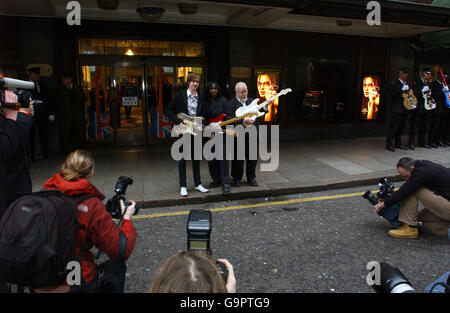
(428, 183)
(97, 228)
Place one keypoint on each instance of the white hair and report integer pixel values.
(239, 85)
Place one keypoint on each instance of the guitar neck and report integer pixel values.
(268, 101)
(234, 119)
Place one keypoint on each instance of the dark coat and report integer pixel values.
(439, 97)
(9, 141)
(179, 104)
(417, 89)
(213, 110)
(17, 178)
(235, 104)
(397, 98)
(427, 174)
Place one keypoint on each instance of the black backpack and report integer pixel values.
(38, 238)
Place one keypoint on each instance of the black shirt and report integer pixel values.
(425, 174)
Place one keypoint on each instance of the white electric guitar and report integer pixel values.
(254, 107)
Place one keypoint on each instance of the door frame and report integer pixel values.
(145, 62)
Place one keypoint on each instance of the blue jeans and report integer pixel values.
(391, 215)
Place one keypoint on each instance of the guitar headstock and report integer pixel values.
(285, 91)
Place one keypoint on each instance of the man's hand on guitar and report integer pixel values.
(248, 121)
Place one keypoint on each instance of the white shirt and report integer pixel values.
(192, 103)
(243, 102)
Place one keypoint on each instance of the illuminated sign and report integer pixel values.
(370, 99)
(267, 86)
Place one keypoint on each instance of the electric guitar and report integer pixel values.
(189, 125)
(218, 122)
(254, 107)
(446, 93)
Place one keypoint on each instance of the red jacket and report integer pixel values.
(99, 226)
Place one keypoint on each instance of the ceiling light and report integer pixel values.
(108, 4)
(187, 8)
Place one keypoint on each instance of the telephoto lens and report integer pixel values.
(371, 197)
(392, 281)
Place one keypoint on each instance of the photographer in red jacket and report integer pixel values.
(98, 228)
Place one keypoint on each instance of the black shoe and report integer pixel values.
(432, 145)
(214, 184)
(226, 188)
(425, 146)
(236, 183)
(441, 145)
(411, 147)
(390, 148)
(252, 182)
(401, 147)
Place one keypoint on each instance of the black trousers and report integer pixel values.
(219, 169)
(40, 125)
(237, 166)
(435, 126)
(395, 130)
(420, 123)
(443, 133)
(110, 279)
(195, 167)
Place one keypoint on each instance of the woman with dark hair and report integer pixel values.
(214, 105)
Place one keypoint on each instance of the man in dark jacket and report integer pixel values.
(9, 140)
(420, 117)
(17, 180)
(438, 117)
(71, 115)
(399, 113)
(428, 183)
(237, 166)
(187, 101)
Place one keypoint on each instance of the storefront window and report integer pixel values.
(140, 47)
(323, 89)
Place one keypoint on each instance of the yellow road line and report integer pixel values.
(254, 205)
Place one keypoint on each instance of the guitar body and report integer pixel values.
(447, 98)
(217, 120)
(251, 108)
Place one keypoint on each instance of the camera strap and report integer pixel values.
(121, 255)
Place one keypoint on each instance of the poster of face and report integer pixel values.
(370, 101)
(267, 86)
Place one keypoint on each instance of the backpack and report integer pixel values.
(38, 238)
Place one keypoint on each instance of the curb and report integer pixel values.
(148, 204)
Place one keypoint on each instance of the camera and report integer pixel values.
(199, 235)
(113, 204)
(386, 190)
(392, 280)
(14, 94)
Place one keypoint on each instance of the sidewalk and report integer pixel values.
(303, 167)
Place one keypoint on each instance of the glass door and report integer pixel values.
(96, 82)
(130, 105)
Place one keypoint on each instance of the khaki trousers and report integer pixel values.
(435, 216)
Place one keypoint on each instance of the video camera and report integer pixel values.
(386, 190)
(199, 235)
(14, 94)
(113, 204)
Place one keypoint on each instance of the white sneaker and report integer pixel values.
(201, 188)
(183, 192)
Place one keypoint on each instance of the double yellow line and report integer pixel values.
(254, 205)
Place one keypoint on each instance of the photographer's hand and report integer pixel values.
(379, 206)
(127, 212)
(231, 281)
